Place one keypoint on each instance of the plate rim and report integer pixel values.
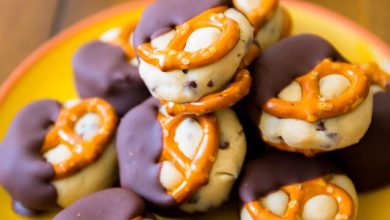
(21, 69)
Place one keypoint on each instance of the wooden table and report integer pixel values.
(24, 25)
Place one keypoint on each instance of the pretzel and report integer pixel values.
(261, 14)
(122, 40)
(213, 102)
(312, 107)
(376, 74)
(195, 171)
(84, 152)
(253, 53)
(173, 57)
(287, 24)
(299, 194)
(285, 147)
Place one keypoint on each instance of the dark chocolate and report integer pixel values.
(139, 147)
(281, 64)
(275, 169)
(164, 15)
(368, 162)
(102, 70)
(115, 203)
(24, 173)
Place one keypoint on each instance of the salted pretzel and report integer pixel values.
(83, 151)
(312, 107)
(376, 74)
(195, 171)
(299, 194)
(213, 102)
(123, 39)
(173, 57)
(261, 13)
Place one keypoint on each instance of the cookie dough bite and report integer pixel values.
(181, 164)
(281, 185)
(305, 97)
(54, 154)
(108, 69)
(115, 203)
(367, 162)
(190, 49)
(271, 21)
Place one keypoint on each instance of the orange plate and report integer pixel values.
(47, 73)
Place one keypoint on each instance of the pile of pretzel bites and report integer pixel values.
(200, 103)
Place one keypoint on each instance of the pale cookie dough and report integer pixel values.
(325, 135)
(225, 169)
(97, 176)
(190, 85)
(321, 207)
(112, 34)
(272, 31)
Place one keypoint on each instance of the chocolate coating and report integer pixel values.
(102, 70)
(368, 162)
(24, 173)
(281, 64)
(116, 203)
(139, 147)
(276, 169)
(164, 15)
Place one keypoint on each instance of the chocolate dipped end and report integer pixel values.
(164, 15)
(24, 173)
(368, 162)
(116, 203)
(276, 169)
(139, 147)
(282, 64)
(102, 70)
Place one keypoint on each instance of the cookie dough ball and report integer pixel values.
(181, 86)
(264, 178)
(103, 70)
(35, 187)
(275, 29)
(274, 75)
(367, 162)
(139, 151)
(24, 173)
(115, 203)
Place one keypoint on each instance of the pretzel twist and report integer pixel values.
(377, 75)
(84, 152)
(123, 40)
(215, 101)
(174, 56)
(260, 14)
(299, 194)
(195, 171)
(312, 107)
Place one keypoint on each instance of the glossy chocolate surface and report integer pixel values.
(275, 169)
(139, 147)
(116, 203)
(164, 15)
(24, 173)
(368, 162)
(103, 70)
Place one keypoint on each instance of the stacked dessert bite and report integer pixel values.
(157, 101)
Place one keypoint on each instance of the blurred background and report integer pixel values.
(24, 25)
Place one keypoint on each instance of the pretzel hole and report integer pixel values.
(320, 207)
(248, 5)
(202, 38)
(276, 202)
(170, 176)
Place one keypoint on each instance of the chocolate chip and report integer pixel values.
(194, 199)
(224, 145)
(154, 89)
(191, 84)
(331, 135)
(210, 84)
(185, 71)
(321, 126)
